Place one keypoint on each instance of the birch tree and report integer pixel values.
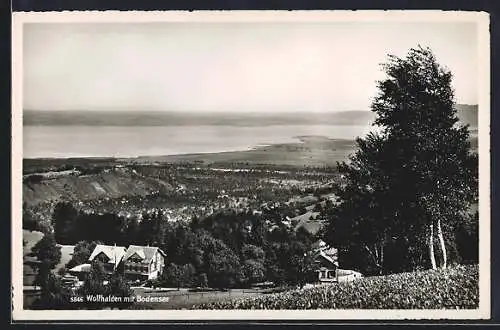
(416, 177)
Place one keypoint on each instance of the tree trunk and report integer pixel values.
(441, 243)
(382, 259)
(375, 257)
(431, 245)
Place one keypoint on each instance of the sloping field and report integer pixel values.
(113, 184)
(307, 152)
(30, 238)
(66, 255)
(452, 288)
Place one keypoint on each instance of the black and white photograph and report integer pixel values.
(251, 165)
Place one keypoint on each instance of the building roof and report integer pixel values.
(330, 251)
(319, 244)
(329, 258)
(113, 252)
(146, 253)
(330, 254)
(81, 268)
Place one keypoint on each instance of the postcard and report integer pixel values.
(250, 165)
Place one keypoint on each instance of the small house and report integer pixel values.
(143, 262)
(326, 259)
(109, 255)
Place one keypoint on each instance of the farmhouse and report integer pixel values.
(143, 262)
(109, 256)
(326, 259)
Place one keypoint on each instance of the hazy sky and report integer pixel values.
(229, 66)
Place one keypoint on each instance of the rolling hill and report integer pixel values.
(468, 114)
(112, 184)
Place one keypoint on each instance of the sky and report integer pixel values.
(235, 67)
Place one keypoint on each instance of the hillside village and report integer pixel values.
(297, 201)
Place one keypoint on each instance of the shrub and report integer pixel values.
(451, 288)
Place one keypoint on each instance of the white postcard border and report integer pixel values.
(482, 20)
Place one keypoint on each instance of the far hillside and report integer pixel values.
(173, 118)
(467, 113)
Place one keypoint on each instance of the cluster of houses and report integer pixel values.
(134, 262)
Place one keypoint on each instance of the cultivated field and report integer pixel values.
(453, 288)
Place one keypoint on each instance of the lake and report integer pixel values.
(133, 141)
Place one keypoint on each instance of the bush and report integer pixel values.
(178, 275)
(451, 288)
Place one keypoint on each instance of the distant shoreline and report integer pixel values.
(299, 138)
(308, 150)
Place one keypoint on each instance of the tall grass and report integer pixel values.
(452, 288)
